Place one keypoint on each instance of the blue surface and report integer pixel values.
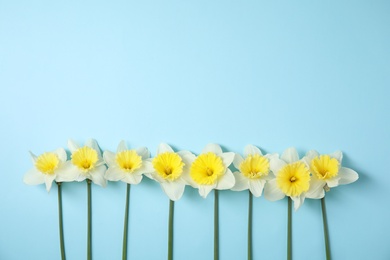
(309, 74)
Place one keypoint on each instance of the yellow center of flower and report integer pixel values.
(128, 160)
(85, 158)
(168, 165)
(255, 166)
(207, 168)
(293, 179)
(324, 167)
(47, 163)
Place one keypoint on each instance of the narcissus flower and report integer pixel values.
(292, 179)
(126, 165)
(47, 165)
(210, 170)
(254, 170)
(169, 168)
(86, 163)
(327, 171)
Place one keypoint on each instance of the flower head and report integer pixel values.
(126, 165)
(292, 179)
(327, 171)
(46, 168)
(169, 168)
(254, 170)
(210, 170)
(86, 163)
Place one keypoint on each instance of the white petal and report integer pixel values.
(272, 192)
(67, 172)
(155, 176)
(94, 145)
(72, 145)
(187, 178)
(132, 178)
(347, 175)
(33, 177)
(49, 181)
(148, 166)
(290, 155)
(121, 146)
(334, 182)
(316, 189)
(109, 158)
(338, 155)
(298, 201)
(33, 156)
(188, 158)
(163, 147)
(276, 164)
(241, 183)
(204, 190)
(61, 153)
(114, 174)
(226, 181)
(143, 152)
(227, 158)
(214, 148)
(251, 150)
(82, 177)
(174, 190)
(310, 155)
(97, 176)
(237, 161)
(256, 187)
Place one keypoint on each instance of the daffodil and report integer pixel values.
(86, 163)
(46, 168)
(169, 169)
(126, 165)
(210, 170)
(327, 171)
(254, 170)
(292, 180)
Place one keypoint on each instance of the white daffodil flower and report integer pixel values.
(292, 179)
(254, 170)
(327, 171)
(126, 165)
(47, 166)
(210, 170)
(169, 168)
(86, 163)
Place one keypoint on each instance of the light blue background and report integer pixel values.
(309, 74)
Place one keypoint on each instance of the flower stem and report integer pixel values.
(89, 229)
(170, 229)
(216, 226)
(60, 222)
(250, 225)
(126, 224)
(326, 234)
(289, 229)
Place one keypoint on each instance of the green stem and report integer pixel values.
(250, 225)
(326, 234)
(216, 226)
(289, 229)
(126, 224)
(60, 221)
(89, 229)
(170, 229)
